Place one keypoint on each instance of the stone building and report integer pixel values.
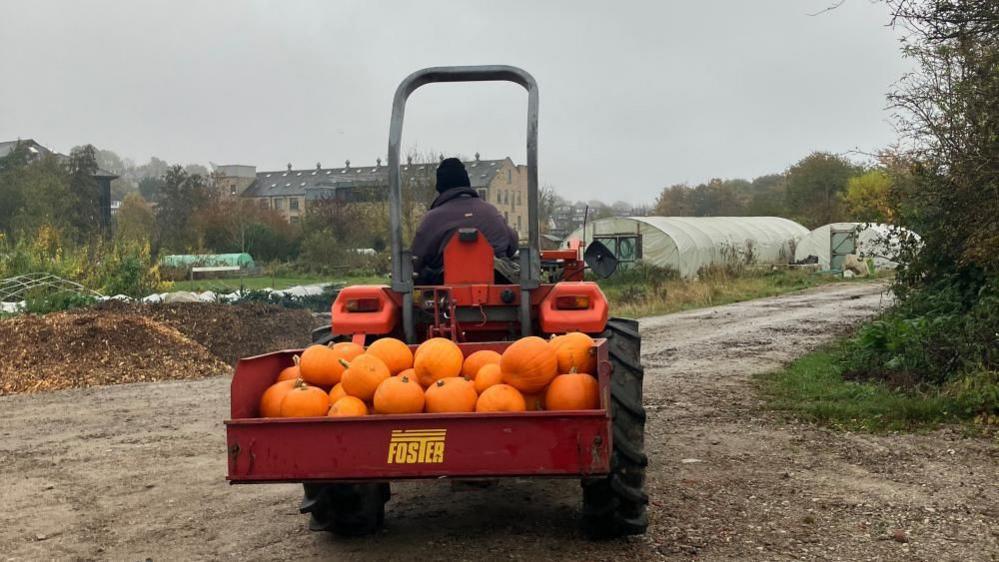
(500, 182)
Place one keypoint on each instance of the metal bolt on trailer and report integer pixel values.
(346, 464)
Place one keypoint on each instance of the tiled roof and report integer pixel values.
(283, 183)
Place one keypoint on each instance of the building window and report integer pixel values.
(518, 198)
(278, 203)
(509, 176)
(518, 224)
(506, 216)
(482, 195)
(293, 203)
(263, 203)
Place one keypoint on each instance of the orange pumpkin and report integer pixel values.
(399, 395)
(290, 373)
(394, 353)
(535, 402)
(337, 392)
(320, 364)
(573, 391)
(501, 398)
(474, 362)
(304, 401)
(435, 359)
(348, 406)
(487, 376)
(575, 352)
(529, 364)
(451, 394)
(270, 402)
(363, 375)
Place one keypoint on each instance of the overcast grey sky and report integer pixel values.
(634, 95)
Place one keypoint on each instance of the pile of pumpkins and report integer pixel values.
(345, 379)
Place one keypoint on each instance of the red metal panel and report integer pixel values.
(570, 443)
(453, 445)
(468, 262)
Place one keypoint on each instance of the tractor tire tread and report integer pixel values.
(615, 505)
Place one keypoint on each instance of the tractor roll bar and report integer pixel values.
(402, 264)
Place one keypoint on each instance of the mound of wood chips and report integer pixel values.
(228, 331)
(69, 350)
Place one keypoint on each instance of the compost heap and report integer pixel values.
(122, 343)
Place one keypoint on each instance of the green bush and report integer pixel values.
(944, 336)
(55, 302)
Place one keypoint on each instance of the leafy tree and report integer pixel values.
(83, 191)
(766, 197)
(150, 187)
(180, 197)
(675, 201)
(814, 187)
(548, 201)
(949, 113)
(867, 197)
(135, 220)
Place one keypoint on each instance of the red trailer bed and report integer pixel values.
(394, 447)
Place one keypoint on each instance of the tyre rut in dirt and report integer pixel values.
(346, 509)
(614, 506)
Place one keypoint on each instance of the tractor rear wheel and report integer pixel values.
(614, 506)
(346, 509)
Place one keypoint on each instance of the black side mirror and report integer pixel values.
(600, 260)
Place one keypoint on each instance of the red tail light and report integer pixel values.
(363, 305)
(572, 302)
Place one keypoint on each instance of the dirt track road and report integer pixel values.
(137, 471)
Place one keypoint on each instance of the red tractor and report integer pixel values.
(346, 464)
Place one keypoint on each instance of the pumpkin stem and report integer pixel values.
(404, 378)
(572, 370)
(300, 383)
(343, 362)
(296, 359)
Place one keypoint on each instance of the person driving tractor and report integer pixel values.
(459, 206)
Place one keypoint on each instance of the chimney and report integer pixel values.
(442, 157)
(319, 165)
(289, 166)
(476, 156)
(347, 163)
(409, 160)
(378, 162)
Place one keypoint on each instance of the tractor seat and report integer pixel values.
(469, 260)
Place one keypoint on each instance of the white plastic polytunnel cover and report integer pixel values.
(830, 243)
(687, 244)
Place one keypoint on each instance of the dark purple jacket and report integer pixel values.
(458, 208)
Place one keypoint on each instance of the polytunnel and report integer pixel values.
(687, 244)
(831, 243)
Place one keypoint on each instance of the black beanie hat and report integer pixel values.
(450, 174)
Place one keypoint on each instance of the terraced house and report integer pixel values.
(501, 182)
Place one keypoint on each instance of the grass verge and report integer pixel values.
(654, 295)
(813, 389)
